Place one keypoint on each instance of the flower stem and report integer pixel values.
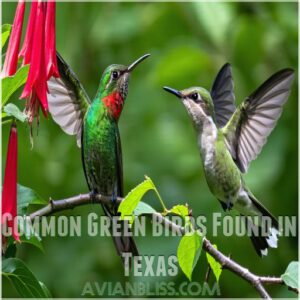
(161, 201)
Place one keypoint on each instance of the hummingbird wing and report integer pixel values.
(247, 130)
(68, 101)
(223, 95)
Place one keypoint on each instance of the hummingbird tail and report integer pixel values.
(265, 234)
(123, 244)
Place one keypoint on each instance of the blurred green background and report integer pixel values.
(189, 42)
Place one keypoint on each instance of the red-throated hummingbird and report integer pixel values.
(95, 123)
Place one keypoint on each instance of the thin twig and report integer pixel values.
(227, 263)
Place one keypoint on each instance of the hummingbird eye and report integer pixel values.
(195, 97)
(115, 75)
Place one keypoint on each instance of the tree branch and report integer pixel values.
(227, 263)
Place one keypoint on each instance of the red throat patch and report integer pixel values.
(114, 102)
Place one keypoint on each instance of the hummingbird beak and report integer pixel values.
(173, 91)
(135, 63)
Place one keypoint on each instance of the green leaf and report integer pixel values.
(132, 199)
(189, 251)
(33, 240)
(46, 291)
(11, 248)
(215, 266)
(290, 277)
(29, 235)
(12, 83)
(5, 29)
(5, 119)
(143, 209)
(13, 110)
(180, 210)
(22, 279)
(26, 197)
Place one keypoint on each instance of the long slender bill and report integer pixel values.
(173, 91)
(135, 63)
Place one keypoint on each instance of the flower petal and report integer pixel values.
(11, 57)
(36, 81)
(27, 44)
(50, 45)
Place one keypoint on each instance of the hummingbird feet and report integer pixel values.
(93, 196)
(114, 198)
(114, 202)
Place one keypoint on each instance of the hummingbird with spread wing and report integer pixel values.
(229, 138)
(95, 124)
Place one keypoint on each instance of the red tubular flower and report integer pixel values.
(25, 52)
(11, 58)
(9, 191)
(36, 85)
(50, 47)
(39, 50)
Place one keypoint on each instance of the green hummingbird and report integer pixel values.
(229, 138)
(95, 123)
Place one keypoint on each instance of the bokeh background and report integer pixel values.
(189, 42)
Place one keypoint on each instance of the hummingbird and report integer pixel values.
(230, 137)
(95, 124)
